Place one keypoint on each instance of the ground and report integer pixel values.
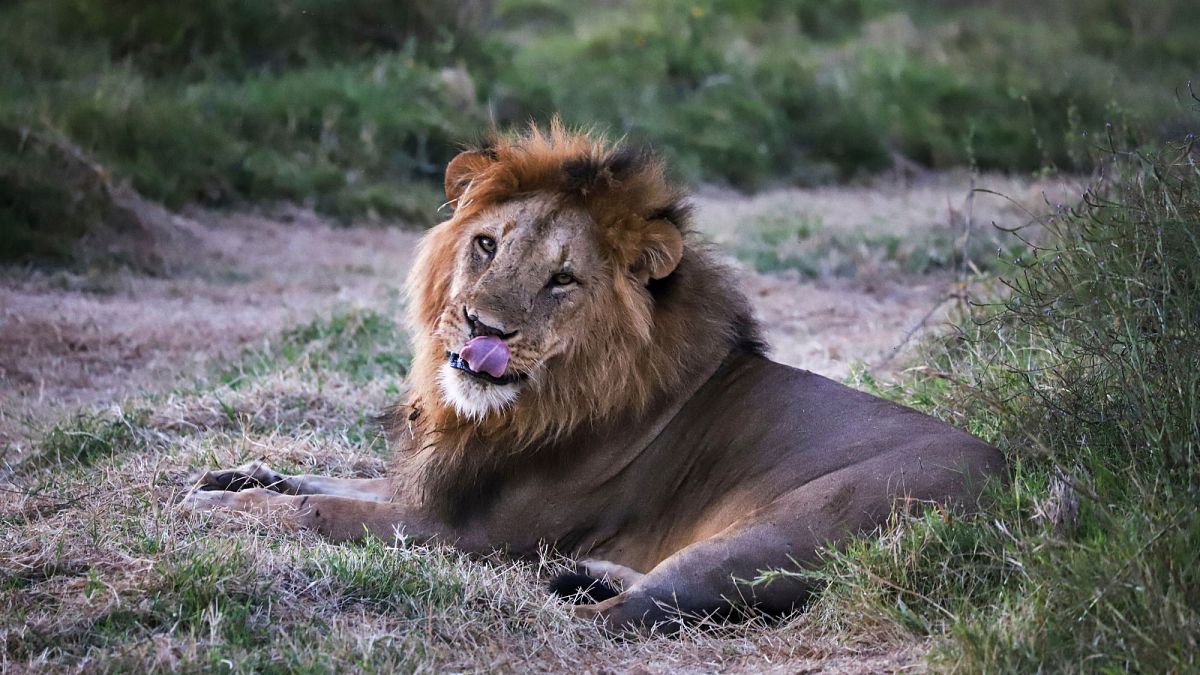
(282, 336)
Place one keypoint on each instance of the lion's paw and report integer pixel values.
(254, 474)
(609, 571)
(202, 499)
(250, 499)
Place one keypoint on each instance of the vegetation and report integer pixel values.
(365, 345)
(89, 437)
(1087, 374)
(778, 242)
(354, 107)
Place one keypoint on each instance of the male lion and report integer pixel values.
(586, 374)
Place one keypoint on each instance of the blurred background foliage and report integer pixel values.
(354, 106)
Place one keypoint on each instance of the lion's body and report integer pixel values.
(646, 429)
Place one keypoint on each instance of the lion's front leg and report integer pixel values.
(258, 474)
(337, 518)
(256, 500)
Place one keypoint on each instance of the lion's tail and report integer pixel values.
(581, 588)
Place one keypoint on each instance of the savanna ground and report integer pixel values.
(281, 339)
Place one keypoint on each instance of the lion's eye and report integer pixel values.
(562, 279)
(486, 244)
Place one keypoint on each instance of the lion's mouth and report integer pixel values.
(459, 363)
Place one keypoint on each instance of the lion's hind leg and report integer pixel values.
(714, 577)
(729, 571)
(726, 573)
(593, 582)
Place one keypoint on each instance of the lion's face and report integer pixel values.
(532, 305)
(528, 276)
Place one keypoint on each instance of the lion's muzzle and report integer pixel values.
(458, 362)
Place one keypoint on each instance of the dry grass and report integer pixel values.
(882, 230)
(101, 571)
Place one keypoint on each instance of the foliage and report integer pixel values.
(1087, 373)
(39, 215)
(354, 107)
(91, 437)
(231, 38)
(364, 345)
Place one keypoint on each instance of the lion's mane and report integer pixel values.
(657, 335)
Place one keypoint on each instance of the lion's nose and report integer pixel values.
(481, 323)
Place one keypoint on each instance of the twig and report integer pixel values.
(915, 329)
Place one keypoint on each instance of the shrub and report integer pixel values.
(1087, 373)
(355, 107)
(353, 140)
(232, 38)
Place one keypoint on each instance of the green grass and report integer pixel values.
(1086, 374)
(782, 241)
(364, 345)
(355, 107)
(211, 591)
(406, 580)
(90, 437)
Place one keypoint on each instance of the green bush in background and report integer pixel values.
(354, 106)
(234, 38)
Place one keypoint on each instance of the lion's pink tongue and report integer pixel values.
(486, 354)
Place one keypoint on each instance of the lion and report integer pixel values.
(587, 375)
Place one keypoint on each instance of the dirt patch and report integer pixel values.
(903, 208)
(832, 319)
(831, 328)
(69, 339)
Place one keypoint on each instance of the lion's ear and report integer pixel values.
(463, 169)
(662, 248)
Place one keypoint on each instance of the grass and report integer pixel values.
(354, 108)
(1085, 373)
(230, 595)
(365, 345)
(410, 580)
(354, 349)
(90, 437)
(781, 242)
(100, 570)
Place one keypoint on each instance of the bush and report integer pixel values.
(44, 205)
(225, 38)
(178, 102)
(352, 140)
(684, 79)
(1087, 374)
(355, 107)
